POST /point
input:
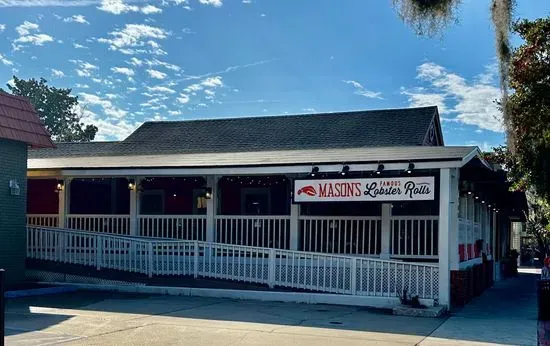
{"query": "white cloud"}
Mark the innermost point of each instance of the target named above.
(85, 69)
(123, 70)
(215, 3)
(108, 129)
(161, 89)
(2, 27)
(82, 86)
(134, 38)
(156, 62)
(117, 7)
(150, 9)
(362, 91)
(79, 46)
(135, 61)
(183, 98)
(108, 108)
(78, 18)
(247, 1)
(420, 98)
(212, 82)
(474, 102)
(57, 73)
(5, 61)
(29, 33)
(26, 28)
(156, 74)
(174, 113)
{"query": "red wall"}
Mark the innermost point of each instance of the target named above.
(42, 197)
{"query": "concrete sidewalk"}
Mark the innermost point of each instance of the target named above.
(506, 314)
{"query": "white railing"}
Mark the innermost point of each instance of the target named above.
(260, 231)
(47, 220)
(184, 227)
(113, 224)
(359, 235)
(349, 275)
(414, 236)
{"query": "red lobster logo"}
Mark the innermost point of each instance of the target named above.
(308, 190)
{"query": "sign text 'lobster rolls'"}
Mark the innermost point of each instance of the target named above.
(365, 189)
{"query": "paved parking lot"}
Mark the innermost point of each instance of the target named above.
(504, 315)
(88, 318)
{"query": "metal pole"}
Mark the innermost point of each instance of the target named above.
(2, 305)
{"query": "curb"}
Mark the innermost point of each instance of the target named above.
(39, 291)
(291, 297)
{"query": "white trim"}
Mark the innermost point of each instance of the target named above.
(474, 261)
(301, 169)
(289, 297)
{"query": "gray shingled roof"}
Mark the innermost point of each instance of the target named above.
(358, 129)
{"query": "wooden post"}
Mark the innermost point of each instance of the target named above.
(134, 211)
(448, 223)
(385, 231)
(2, 306)
(294, 227)
(64, 203)
(271, 268)
(211, 208)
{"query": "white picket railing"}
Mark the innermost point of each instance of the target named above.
(113, 224)
(260, 231)
(184, 227)
(47, 220)
(342, 274)
(359, 235)
(414, 237)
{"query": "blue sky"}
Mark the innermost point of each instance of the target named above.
(131, 61)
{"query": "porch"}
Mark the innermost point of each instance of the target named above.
(177, 208)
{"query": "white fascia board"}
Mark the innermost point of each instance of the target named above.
(473, 154)
(257, 170)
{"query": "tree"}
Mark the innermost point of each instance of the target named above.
(538, 225)
(428, 17)
(529, 104)
(56, 108)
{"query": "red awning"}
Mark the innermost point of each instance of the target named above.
(20, 122)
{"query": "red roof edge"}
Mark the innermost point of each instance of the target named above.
(20, 122)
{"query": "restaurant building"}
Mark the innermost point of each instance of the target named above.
(362, 204)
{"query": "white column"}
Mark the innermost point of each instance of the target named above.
(211, 208)
(64, 202)
(385, 231)
(294, 226)
(134, 212)
(448, 231)
(471, 220)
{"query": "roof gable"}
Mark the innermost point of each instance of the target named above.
(360, 129)
(20, 122)
(393, 127)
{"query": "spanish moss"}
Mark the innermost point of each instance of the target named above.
(427, 17)
(501, 14)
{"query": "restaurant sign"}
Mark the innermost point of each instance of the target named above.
(367, 189)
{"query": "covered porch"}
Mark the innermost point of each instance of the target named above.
(252, 213)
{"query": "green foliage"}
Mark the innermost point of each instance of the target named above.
(538, 226)
(56, 108)
(529, 106)
(427, 17)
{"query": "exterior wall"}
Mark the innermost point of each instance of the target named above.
(13, 158)
(42, 197)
